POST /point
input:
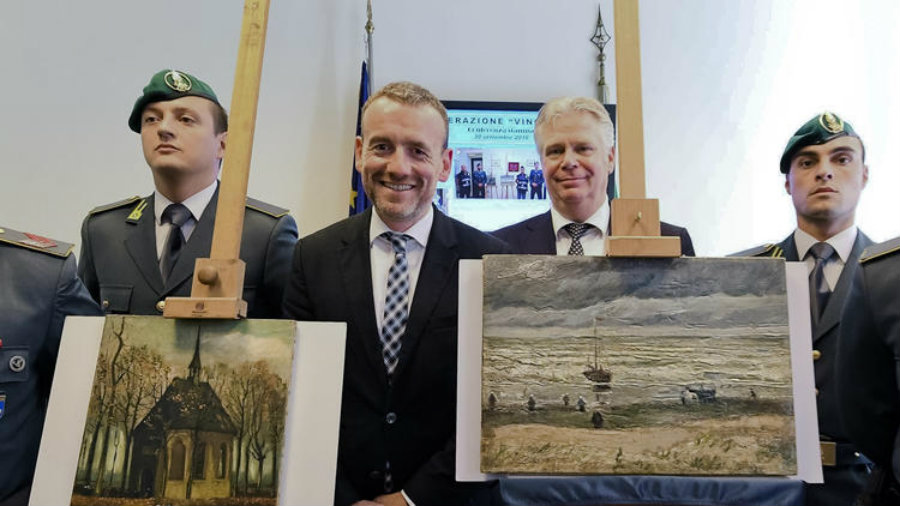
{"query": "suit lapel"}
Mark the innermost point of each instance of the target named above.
(355, 262)
(832, 314)
(438, 266)
(141, 246)
(543, 234)
(198, 246)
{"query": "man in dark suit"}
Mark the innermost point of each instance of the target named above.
(825, 171)
(575, 140)
(38, 290)
(139, 251)
(391, 273)
(868, 388)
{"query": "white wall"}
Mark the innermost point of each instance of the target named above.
(725, 85)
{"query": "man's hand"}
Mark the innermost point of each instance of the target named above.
(395, 499)
(366, 503)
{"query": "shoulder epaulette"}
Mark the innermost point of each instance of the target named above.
(114, 205)
(880, 250)
(273, 211)
(35, 242)
(765, 250)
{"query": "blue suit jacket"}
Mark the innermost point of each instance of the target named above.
(38, 290)
(535, 236)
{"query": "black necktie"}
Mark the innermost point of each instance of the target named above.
(177, 215)
(818, 286)
(576, 231)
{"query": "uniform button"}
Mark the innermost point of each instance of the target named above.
(817, 392)
(160, 306)
(105, 304)
(817, 354)
(17, 363)
(390, 418)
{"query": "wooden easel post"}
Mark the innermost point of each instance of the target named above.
(218, 285)
(635, 219)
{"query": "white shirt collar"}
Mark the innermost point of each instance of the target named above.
(196, 203)
(842, 242)
(599, 219)
(419, 231)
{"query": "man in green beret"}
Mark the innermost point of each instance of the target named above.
(138, 251)
(825, 172)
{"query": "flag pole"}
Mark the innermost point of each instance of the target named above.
(370, 59)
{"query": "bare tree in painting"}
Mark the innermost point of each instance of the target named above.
(116, 373)
(99, 398)
(145, 380)
(277, 418)
(236, 400)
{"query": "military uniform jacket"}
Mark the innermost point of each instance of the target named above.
(120, 268)
(867, 369)
(409, 421)
(825, 334)
(37, 290)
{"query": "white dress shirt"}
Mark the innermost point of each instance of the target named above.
(381, 255)
(842, 242)
(196, 204)
(593, 241)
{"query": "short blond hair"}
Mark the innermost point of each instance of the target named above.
(556, 107)
(407, 93)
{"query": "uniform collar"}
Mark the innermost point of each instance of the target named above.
(196, 203)
(842, 242)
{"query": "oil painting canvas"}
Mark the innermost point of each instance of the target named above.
(594, 365)
(186, 412)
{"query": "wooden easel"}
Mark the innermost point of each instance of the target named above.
(635, 219)
(218, 285)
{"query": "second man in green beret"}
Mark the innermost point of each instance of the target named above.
(825, 172)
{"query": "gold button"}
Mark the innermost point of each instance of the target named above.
(817, 354)
(817, 392)
(160, 306)
(105, 304)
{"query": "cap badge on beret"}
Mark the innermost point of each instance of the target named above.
(831, 123)
(178, 81)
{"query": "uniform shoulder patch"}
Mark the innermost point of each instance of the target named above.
(35, 242)
(765, 250)
(114, 205)
(273, 211)
(880, 250)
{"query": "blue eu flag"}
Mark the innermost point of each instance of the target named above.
(358, 199)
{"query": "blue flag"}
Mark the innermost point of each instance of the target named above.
(358, 199)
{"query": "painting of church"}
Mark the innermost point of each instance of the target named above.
(184, 446)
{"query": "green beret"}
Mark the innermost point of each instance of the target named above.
(168, 85)
(821, 129)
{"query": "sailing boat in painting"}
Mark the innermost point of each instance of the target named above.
(595, 372)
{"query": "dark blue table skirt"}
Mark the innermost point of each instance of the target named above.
(656, 490)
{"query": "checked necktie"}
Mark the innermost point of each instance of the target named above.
(177, 215)
(576, 231)
(396, 303)
(818, 286)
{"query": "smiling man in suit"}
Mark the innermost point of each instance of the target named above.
(138, 251)
(825, 172)
(575, 140)
(391, 273)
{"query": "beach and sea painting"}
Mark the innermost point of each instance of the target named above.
(596, 365)
(186, 412)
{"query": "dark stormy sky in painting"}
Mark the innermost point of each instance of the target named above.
(681, 294)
